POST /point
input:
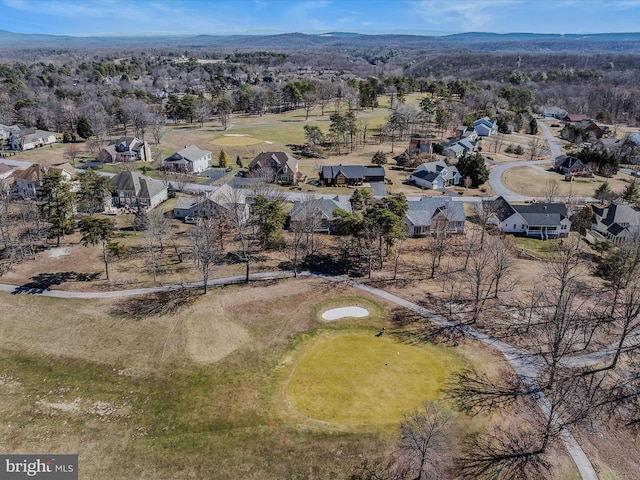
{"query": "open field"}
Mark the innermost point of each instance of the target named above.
(535, 182)
(135, 397)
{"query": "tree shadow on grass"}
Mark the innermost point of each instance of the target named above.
(156, 304)
(44, 281)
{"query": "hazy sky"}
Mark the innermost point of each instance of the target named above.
(95, 17)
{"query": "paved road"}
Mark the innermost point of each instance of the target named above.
(496, 173)
(527, 366)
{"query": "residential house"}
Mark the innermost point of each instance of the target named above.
(617, 223)
(317, 215)
(431, 215)
(571, 166)
(134, 190)
(453, 150)
(627, 149)
(458, 148)
(6, 131)
(126, 149)
(537, 220)
(342, 175)
(469, 133)
(283, 165)
(418, 146)
(554, 112)
(584, 130)
(215, 203)
(575, 118)
(30, 139)
(6, 177)
(66, 169)
(27, 181)
(190, 159)
(435, 175)
(486, 126)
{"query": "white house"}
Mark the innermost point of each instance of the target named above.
(435, 175)
(189, 159)
(537, 220)
(30, 139)
(486, 126)
(434, 214)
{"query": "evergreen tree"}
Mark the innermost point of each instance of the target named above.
(533, 126)
(357, 200)
(474, 167)
(171, 191)
(141, 220)
(223, 159)
(379, 158)
(94, 189)
(604, 193)
(239, 162)
(56, 202)
(99, 230)
(631, 193)
(84, 129)
(270, 219)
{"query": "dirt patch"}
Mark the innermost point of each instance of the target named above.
(58, 252)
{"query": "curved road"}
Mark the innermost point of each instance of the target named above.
(495, 175)
(527, 366)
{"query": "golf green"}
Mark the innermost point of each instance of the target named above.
(363, 379)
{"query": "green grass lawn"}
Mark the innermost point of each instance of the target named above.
(359, 378)
(537, 248)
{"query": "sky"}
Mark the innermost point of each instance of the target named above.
(222, 17)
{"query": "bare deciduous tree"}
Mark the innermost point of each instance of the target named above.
(422, 434)
(206, 248)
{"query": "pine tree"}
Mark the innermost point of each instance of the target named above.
(223, 159)
(239, 162)
(379, 158)
(357, 200)
(84, 129)
(474, 167)
(631, 193)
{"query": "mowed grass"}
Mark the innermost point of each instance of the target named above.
(533, 182)
(362, 379)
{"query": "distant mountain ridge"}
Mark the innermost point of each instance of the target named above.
(614, 42)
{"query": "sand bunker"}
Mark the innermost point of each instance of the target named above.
(337, 313)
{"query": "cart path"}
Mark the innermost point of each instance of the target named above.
(527, 366)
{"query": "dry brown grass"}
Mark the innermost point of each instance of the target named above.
(534, 182)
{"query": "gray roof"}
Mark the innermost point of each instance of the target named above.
(186, 203)
(542, 214)
(620, 214)
(144, 187)
(422, 211)
(426, 175)
(500, 208)
(324, 206)
(352, 171)
(191, 153)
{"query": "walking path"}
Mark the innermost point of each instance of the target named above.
(527, 366)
